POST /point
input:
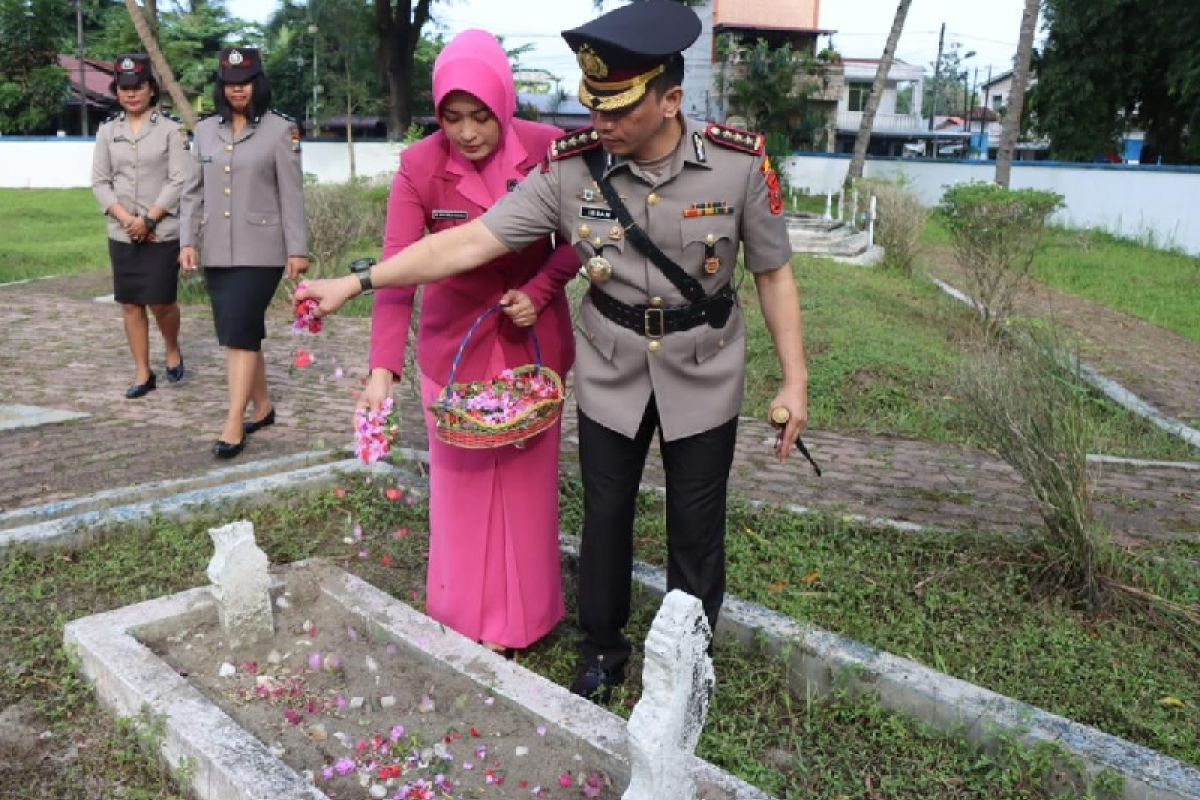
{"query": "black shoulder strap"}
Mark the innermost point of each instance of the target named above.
(686, 284)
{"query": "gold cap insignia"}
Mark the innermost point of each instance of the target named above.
(590, 62)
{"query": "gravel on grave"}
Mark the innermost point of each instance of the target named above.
(368, 718)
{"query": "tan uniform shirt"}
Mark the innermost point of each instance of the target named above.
(243, 201)
(140, 170)
(696, 375)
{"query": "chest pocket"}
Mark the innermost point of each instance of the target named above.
(595, 236)
(262, 220)
(705, 237)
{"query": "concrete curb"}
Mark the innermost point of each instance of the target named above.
(819, 661)
(1108, 387)
(18, 416)
(227, 763)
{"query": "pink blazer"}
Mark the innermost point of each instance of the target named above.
(424, 197)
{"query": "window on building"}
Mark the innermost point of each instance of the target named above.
(997, 103)
(859, 92)
(904, 97)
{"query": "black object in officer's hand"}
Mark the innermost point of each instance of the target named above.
(779, 418)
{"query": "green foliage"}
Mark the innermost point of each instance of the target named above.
(950, 87)
(33, 87)
(339, 217)
(50, 232)
(770, 89)
(1109, 66)
(997, 233)
(901, 221)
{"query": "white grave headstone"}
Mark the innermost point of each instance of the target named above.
(677, 685)
(240, 585)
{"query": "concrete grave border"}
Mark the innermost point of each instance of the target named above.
(819, 659)
(226, 763)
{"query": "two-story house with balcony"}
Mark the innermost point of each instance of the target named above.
(898, 120)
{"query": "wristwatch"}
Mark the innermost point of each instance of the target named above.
(364, 281)
(150, 222)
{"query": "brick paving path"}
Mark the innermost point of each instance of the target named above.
(62, 350)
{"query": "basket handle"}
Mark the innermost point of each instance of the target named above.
(537, 347)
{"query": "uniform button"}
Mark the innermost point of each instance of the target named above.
(584, 231)
(710, 239)
(228, 191)
(656, 301)
(652, 199)
(226, 215)
(597, 241)
(228, 169)
(721, 343)
(654, 346)
(228, 148)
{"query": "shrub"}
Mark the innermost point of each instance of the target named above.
(1027, 405)
(996, 232)
(339, 217)
(900, 220)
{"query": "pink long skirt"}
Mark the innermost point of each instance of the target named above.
(494, 573)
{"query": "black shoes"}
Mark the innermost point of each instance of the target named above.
(226, 450)
(142, 389)
(175, 373)
(250, 427)
(596, 683)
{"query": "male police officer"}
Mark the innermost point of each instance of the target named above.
(657, 206)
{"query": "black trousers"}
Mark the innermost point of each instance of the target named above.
(697, 474)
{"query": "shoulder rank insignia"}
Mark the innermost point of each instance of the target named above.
(737, 139)
(279, 113)
(574, 143)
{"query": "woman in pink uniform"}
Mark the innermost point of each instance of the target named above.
(493, 553)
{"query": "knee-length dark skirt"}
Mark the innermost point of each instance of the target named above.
(240, 296)
(145, 274)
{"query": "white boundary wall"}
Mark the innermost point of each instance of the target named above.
(1153, 204)
(64, 163)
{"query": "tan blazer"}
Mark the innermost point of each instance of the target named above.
(140, 170)
(243, 201)
(696, 375)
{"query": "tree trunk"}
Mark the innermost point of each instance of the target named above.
(150, 42)
(350, 122)
(399, 33)
(868, 117)
(152, 15)
(1011, 129)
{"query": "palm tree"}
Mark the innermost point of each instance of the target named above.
(868, 115)
(1016, 99)
(165, 74)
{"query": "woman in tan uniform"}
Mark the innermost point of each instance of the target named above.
(243, 209)
(137, 175)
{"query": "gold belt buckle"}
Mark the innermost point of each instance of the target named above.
(662, 323)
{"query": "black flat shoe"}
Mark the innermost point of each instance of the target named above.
(175, 373)
(250, 427)
(142, 389)
(596, 683)
(226, 450)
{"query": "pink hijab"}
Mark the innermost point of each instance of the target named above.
(474, 62)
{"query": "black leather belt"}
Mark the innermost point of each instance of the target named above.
(655, 323)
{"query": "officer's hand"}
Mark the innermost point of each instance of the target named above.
(188, 261)
(296, 266)
(796, 403)
(519, 308)
(379, 388)
(330, 293)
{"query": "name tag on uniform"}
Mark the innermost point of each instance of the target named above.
(206, 159)
(596, 212)
(445, 213)
(119, 138)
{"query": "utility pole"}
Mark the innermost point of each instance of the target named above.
(83, 112)
(984, 139)
(937, 73)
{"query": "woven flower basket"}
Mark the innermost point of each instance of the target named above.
(513, 406)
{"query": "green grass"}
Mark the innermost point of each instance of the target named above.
(973, 606)
(838, 747)
(50, 232)
(1158, 286)
(884, 352)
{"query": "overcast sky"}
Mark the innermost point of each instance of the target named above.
(989, 28)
